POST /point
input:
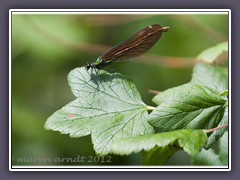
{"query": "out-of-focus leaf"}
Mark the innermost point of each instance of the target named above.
(206, 157)
(209, 157)
(210, 77)
(223, 146)
(212, 53)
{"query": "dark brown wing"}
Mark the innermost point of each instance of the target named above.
(136, 45)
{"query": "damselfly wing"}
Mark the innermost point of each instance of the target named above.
(135, 46)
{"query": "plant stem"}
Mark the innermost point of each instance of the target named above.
(153, 91)
(216, 128)
(150, 108)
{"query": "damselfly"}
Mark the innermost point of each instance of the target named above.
(137, 45)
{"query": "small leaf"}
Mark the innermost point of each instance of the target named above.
(209, 157)
(217, 134)
(108, 106)
(187, 107)
(190, 140)
(212, 53)
(206, 157)
(211, 77)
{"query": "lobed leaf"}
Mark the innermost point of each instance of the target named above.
(108, 106)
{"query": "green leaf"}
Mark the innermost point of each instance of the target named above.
(212, 53)
(213, 78)
(217, 134)
(158, 155)
(206, 157)
(209, 157)
(159, 98)
(187, 107)
(223, 70)
(224, 93)
(223, 146)
(191, 141)
(199, 104)
(108, 106)
(216, 79)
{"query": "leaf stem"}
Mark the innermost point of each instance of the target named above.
(150, 108)
(153, 91)
(216, 128)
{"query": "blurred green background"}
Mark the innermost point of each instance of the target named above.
(45, 48)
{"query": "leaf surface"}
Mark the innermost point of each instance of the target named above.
(191, 141)
(199, 104)
(107, 106)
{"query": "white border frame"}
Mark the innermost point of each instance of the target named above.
(118, 11)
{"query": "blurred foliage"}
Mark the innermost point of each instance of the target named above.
(45, 48)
